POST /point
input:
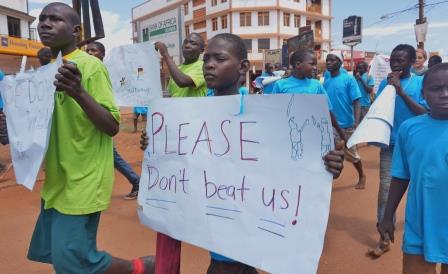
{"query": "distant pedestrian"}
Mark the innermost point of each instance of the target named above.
(4, 140)
(44, 56)
(434, 60)
(98, 50)
(139, 111)
(419, 67)
(365, 84)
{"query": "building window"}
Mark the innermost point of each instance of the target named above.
(248, 43)
(214, 3)
(318, 29)
(224, 22)
(145, 34)
(215, 24)
(286, 19)
(263, 43)
(297, 1)
(187, 30)
(223, 1)
(186, 8)
(13, 26)
(263, 18)
(245, 19)
(297, 21)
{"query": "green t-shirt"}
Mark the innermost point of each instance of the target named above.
(194, 70)
(79, 162)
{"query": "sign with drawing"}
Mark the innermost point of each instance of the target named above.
(252, 187)
(29, 104)
(136, 79)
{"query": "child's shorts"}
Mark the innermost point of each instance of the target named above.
(68, 242)
(350, 154)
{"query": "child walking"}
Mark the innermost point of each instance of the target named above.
(420, 165)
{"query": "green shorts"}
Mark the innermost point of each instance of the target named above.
(68, 242)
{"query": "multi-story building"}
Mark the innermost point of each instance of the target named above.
(263, 24)
(16, 37)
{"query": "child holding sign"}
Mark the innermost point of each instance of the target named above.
(79, 160)
(225, 64)
(422, 166)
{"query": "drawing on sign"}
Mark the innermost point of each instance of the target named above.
(136, 81)
(296, 138)
(326, 136)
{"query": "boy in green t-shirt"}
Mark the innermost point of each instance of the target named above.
(79, 160)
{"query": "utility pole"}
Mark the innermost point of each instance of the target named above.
(421, 19)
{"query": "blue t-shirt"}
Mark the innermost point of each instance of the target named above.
(327, 74)
(412, 86)
(365, 96)
(343, 91)
(295, 85)
(140, 110)
(421, 156)
(268, 88)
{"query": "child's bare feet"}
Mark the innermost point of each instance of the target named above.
(361, 183)
(382, 247)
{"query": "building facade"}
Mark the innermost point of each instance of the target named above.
(16, 37)
(263, 24)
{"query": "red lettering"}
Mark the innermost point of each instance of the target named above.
(180, 139)
(243, 158)
(207, 138)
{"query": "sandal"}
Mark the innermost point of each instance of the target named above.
(131, 195)
(143, 265)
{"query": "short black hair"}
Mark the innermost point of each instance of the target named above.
(239, 47)
(436, 59)
(434, 69)
(299, 55)
(408, 48)
(267, 66)
(201, 40)
(99, 45)
(73, 15)
(42, 51)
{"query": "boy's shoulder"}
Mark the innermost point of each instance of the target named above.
(414, 122)
(88, 64)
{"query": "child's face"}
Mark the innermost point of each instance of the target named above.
(222, 68)
(420, 61)
(56, 28)
(307, 66)
(333, 63)
(361, 68)
(93, 49)
(436, 92)
(400, 61)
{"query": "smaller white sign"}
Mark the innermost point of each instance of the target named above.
(134, 71)
(379, 69)
(29, 104)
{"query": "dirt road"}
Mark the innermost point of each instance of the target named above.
(350, 232)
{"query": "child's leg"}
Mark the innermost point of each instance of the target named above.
(217, 267)
(135, 121)
(444, 269)
(167, 255)
(416, 264)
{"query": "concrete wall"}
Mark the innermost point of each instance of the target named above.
(20, 5)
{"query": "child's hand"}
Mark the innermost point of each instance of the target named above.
(68, 79)
(161, 48)
(143, 140)
(386, 230)
(334, 160)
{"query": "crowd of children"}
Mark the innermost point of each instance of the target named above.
(80, 176)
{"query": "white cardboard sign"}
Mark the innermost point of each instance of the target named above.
(252, 187)
(29, 104)
(376, 127)
(134, 71)
(379, 69)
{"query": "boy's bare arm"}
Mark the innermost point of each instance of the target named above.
(69, 80)
(181, 79)
(357, 110)
(397, 189)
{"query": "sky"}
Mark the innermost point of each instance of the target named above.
(378, 35)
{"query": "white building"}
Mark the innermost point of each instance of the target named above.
(16, 37)
(263, 24)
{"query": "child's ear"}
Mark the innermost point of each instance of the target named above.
(77, 31)
(244, 66)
